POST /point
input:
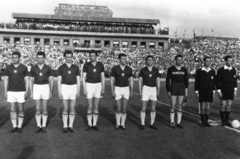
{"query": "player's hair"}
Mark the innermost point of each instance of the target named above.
(177, 56)
(206, 57)
(149, 56)
(121, 55)
(93, 52)
(16, 53)
(227, 57)
(67, 52)
(40, 53)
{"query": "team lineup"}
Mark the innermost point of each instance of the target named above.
(19, 83)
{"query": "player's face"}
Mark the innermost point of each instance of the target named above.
(150, 61)
(229, 62)
(15, 59)
(68, 58)
(179, 61)
(40, 59)
(92, 57)
(123, 60)
(207, 62)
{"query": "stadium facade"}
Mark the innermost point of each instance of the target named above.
(84, 27)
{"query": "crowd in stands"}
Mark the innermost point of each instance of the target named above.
(85, 27)
(193, 51)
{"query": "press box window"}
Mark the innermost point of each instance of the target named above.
(66, 42)
(75, 42)
(143, 44)
(125, 44)
(134, 44)
(6, 40)
(106, 43)
(16, 40)
(151, 45)
(37, 41)
(26, 41)
(46, 41)
(56, 41)
(116, 44)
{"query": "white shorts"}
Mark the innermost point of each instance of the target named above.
(16, 97)
(69, 92)
(94, 90)
(149, 93)
(122, 92)
(41, 91)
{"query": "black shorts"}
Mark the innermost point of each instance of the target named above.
(206, 96)
(177, 89)
(227, 91)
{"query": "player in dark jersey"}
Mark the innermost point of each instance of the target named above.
(41, 88)
(94, 87)
(149, 89)
(205, 83)
(227, 89)
(177, 88)
(122, 89)
(68, 90)
(16, 90)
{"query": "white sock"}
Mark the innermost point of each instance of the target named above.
(172, 114)
(179, 115)
(89, 118)
(20, 121)
(118, 118)
(124, 116)
(153, 116)
(142, 116)
(95, 118)
(65, 120)
(38, 120)
(44, 120)
(14, 123)
(71, 120)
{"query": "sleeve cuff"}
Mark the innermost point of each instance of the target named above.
(218, 90)
(235, 89)
(196, 91)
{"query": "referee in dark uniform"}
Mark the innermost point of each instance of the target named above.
(205, 83)
(227, 89)
(177, 88)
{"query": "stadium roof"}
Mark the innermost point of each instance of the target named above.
(78, 18)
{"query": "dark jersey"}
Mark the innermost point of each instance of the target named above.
(93, 72)
(16, 75)
(121, 76)
(226, 76)
(41, 76)
(205, 80)
(176, 76)
(68, 74)
(149, 77)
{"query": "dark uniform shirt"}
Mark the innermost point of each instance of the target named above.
(16, 75)
(176, 76)
(68, 74)
(121, 76)
(205, 80)
(93, 72)
(226, 76)
(41, 76)
(149, 77)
